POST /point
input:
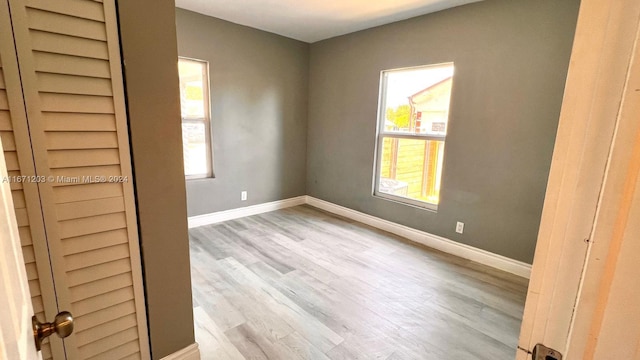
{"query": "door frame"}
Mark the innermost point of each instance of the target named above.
(581, 168)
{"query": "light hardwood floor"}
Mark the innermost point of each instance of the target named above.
(300, 283)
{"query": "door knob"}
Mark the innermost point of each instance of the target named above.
(61, 325)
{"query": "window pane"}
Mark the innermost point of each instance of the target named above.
(194, 143)
(194, 104)
(411, 168)
(416, 101)
(192, 90)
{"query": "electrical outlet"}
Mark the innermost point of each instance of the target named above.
(243, 196)
(459, 227)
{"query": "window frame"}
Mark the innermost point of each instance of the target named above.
(381, 134)
(210, 174)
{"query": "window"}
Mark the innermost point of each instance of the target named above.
(194, 105)
(412, 126)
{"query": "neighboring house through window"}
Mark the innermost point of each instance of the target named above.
(196, 127)
(412, 127)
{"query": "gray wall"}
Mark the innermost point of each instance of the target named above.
(148, 40)
(511, 59)
(259, 92)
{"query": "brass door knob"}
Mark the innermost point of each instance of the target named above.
(61, 325)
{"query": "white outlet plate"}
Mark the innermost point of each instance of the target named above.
(459, 227)
(243, 196)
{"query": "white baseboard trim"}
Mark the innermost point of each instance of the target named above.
(191, 352)
(216, 217)
(430, 240)
(433, 241)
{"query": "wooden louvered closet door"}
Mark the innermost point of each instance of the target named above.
(74, 129)
(26, 199)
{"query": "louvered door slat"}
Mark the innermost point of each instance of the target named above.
(93, 305)
(73, 122)
(83, 244)
(73, 84)
(95, 257)
(67, 194)
(98, 272)
(25, 236)
(22, 217)
(68, 45)
(86, 172)
(71, 65)
(38, 306)
(80, 209)
(134, 356)
(79, 8)
(18, 199)
(28, 254)
(34, 287)
(92, 225)
(32, 272)
(70, 71)
(103, 345)
(107, 329)
(8, 143)
(12, 160)
(104, 315)
(65, 24)
(100, 287)
(73, 103)
(13, 174)
(15, 185)
(5, 121)
(4, 102)
(118, 352)
(85, 157)
(77, 140)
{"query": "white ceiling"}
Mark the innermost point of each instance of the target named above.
(314, 20)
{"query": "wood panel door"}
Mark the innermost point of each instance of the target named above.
(74, 122)
(583, 299)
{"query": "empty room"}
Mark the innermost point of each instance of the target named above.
(364, 190)
(319, 180)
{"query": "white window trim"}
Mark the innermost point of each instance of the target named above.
(381, 135)
(206, 121)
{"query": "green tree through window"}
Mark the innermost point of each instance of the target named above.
(400, 116)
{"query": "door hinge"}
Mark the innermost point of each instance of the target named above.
(541, 352)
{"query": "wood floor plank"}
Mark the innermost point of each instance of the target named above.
(315, 331)
(372, 324)
(301, 283)
(252, 343)
(301, 347)
(213, 343)
(221, 249)
(251, 305)
(217, 307)
(367, 334)
(264, 250)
